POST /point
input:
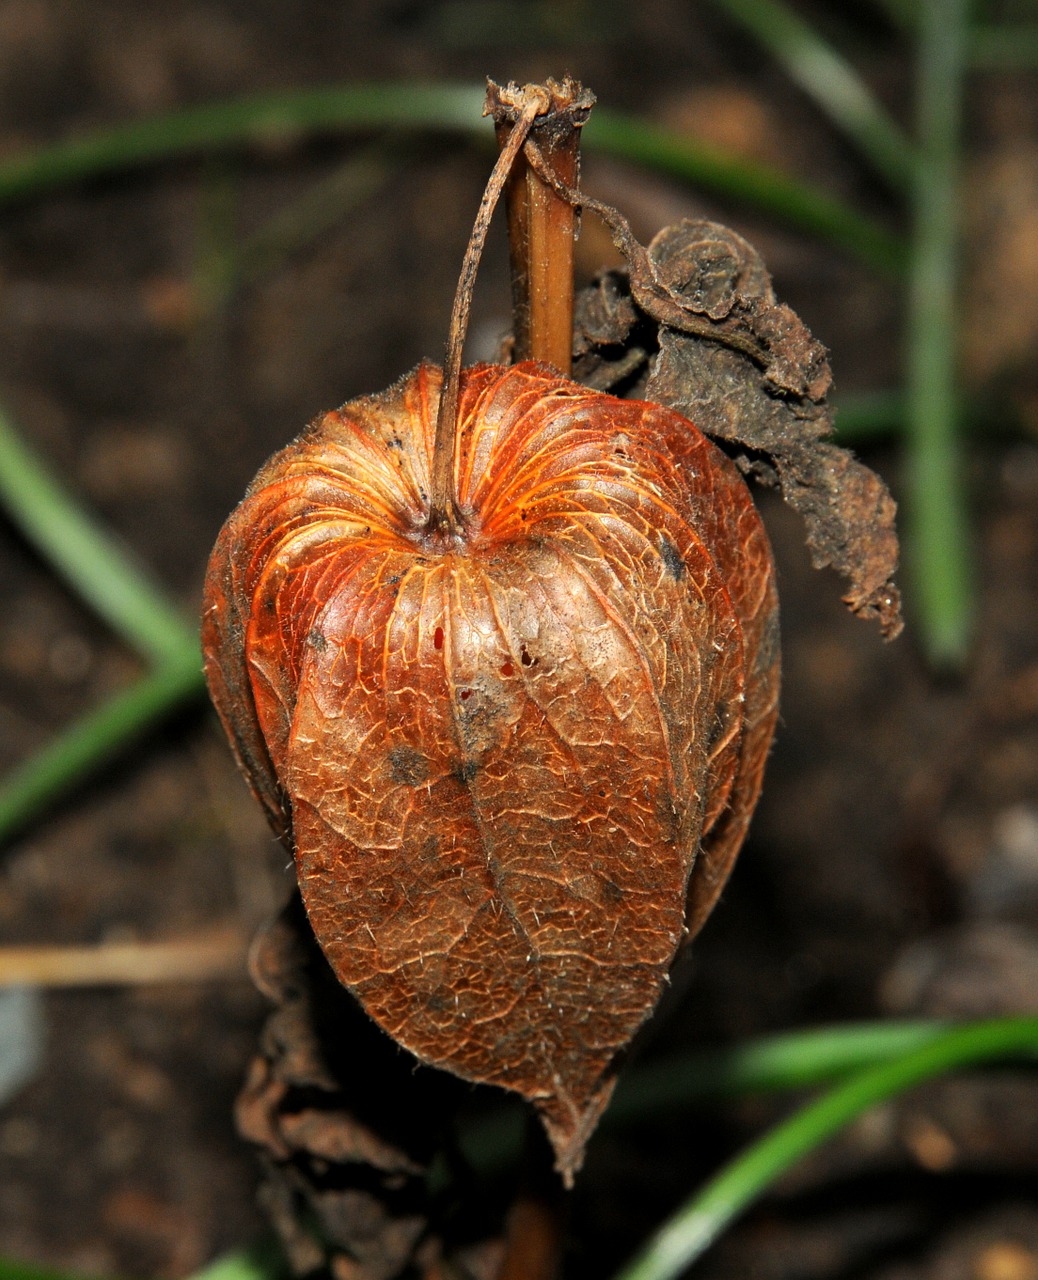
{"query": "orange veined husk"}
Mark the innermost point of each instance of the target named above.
(515, 768)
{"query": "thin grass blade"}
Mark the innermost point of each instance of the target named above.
(88, 743)
(770, 1064)
(701, 1220)
(938, 547)
(444, 107)
(831, 82)
(796, 203)
(95, 565)
(1005, 47)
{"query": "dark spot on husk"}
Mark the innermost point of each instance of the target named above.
(467, 771)
(612, 892)
(671, 557)
(408, 765)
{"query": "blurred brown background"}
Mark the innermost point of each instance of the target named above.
(893, 866)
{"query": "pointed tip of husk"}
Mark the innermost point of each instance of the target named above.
(569, 1126)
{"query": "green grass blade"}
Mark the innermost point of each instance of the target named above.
(259, 1262)
(89, 559)
(936, 520)
(262, 1261)
(866, 416)
(873, 417)
(1009, 46)
(83, 747)
(10, 1269)
(830, 81)
(796, 203)
(320, 209)
(698, 1223)
(450, 107)
(245, 120)
(797, 1060)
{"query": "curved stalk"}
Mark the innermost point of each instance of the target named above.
(444, 515)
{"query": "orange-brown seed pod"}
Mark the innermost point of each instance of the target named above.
(515, 758)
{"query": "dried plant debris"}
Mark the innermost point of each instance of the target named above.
(345, 1124)
(532, 969)
(612, 338)
(745, 369)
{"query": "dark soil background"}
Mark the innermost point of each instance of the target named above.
(893, 865)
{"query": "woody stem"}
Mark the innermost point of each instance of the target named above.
(542, 224)
(534, 1229)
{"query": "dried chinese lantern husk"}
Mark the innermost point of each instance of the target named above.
(515, 766)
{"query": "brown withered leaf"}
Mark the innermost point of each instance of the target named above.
(744, 368)
(758, 380)
(515, 763)
(612, 338)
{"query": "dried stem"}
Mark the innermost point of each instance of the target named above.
(653, 296)
(534, 1230)
(532, 1242)
(541, 223)
(444, 515)
(215, 955)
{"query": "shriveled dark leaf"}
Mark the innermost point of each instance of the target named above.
(758, 380)
(611, 337)
(745, 369)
